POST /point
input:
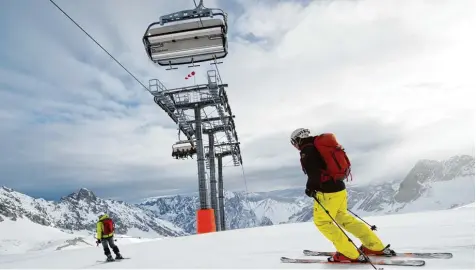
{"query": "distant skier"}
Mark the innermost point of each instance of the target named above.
(325, 163)
(105, 235)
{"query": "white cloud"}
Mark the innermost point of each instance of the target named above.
(369, 56)
(392, 76)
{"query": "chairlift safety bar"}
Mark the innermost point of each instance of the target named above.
(189, 14)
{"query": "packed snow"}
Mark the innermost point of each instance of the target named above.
(440, 231)
(24, 236)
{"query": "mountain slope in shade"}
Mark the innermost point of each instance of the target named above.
(427, 172)
(79, 212)
(438, 195)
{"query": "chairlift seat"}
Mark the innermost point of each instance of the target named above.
(182, 145)
(186, 43)
(183, 149)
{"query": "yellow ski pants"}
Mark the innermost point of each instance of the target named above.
(336, 204)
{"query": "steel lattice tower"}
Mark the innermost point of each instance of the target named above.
(176, 103)
(189, 37)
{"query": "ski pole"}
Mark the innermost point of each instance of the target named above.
(348, 238)
(372, 227)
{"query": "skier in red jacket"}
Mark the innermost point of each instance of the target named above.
(326, 165)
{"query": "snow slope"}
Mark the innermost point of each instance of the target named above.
(444, 231)
(23, 235)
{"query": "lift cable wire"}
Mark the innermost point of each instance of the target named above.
(97, 43)
(197, 6)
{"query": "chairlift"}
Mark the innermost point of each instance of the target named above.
(187, 37)
(183, 149)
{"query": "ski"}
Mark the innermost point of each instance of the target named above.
(115, 260)
(423, 255)
(377, 261)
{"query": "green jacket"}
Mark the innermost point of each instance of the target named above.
(100, 228)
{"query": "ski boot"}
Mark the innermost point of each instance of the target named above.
(387, 252)
(119, 256)
(109, 258)
(339, 257)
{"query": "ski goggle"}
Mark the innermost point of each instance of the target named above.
(294, 142)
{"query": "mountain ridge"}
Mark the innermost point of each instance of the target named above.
(424, 187)
(79, 210)
(371, 199)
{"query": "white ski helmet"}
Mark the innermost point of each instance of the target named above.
(299, 134)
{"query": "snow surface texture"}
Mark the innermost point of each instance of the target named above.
(23, 235)
(440, 231)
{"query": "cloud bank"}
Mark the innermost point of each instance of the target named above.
(393, 80)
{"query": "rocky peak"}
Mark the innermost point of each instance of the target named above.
(83, 194)
(7, 189)
(427, 171)
(458, 166)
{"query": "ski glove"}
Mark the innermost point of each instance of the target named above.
(98, 242)
(309, 192)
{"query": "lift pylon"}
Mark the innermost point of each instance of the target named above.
(183, 38)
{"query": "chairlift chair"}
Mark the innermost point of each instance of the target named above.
(182, 149)
(186, 41)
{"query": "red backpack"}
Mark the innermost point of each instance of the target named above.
(337, 162)
(108, 226)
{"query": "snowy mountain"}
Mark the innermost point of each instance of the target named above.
(180, 210)
(78, 212)
(430, 185)
(427, 172)
(433, 185)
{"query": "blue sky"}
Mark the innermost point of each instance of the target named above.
(391, 80)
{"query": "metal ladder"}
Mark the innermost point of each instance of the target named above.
(213, 86)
